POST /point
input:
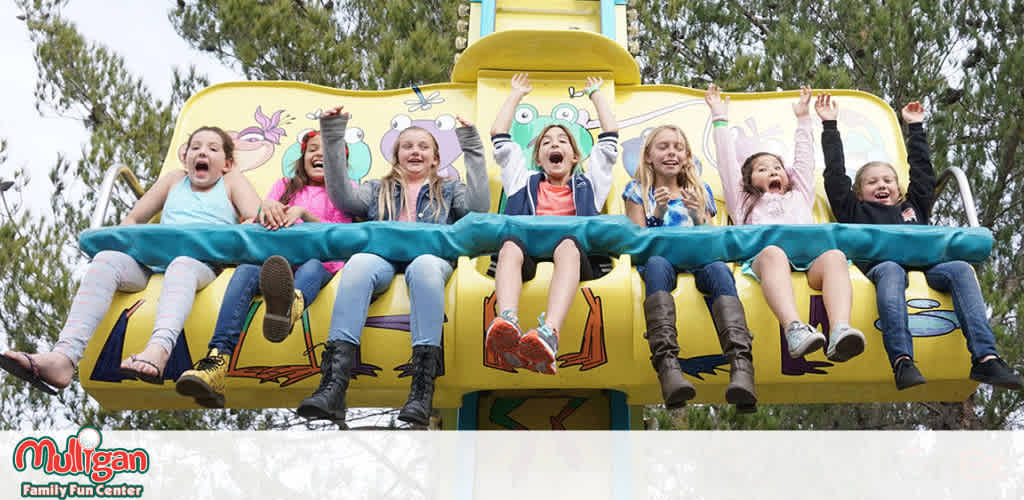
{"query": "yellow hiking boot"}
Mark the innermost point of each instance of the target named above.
(205, 381)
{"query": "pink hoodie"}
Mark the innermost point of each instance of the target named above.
(792, 207)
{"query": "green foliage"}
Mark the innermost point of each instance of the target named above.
(356, 44)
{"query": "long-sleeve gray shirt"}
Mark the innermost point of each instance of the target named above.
(361, 201)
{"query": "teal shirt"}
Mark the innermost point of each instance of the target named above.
(185, 206)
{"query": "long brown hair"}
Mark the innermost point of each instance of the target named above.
(386, 209)
(300, 178)
(858, 179)
(686, 178)
(751, 195)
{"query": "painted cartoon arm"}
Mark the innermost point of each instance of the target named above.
(725, 154)
(837, 185)
(153, 200)
(520, 87)
(474, 196)
(921, 191)
(242, 195)
(355, 201)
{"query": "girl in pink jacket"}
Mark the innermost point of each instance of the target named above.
(762, 190)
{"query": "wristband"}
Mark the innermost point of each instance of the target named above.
(720, 123)
(591, 90)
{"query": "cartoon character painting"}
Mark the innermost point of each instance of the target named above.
(255, 145)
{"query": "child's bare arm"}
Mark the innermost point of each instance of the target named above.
(242, 194)
(605, 115)
(153, 199)
(520, 87)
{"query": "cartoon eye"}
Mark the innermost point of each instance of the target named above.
(445, 122)
(355, 135)
(251, 137)
(525, 114)
(565, 112)
(401, 122)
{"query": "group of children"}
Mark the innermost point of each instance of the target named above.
(666, 191)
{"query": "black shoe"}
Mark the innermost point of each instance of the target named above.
(907, 375)
(995, 372)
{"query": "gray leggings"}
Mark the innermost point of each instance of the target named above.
(112, 271)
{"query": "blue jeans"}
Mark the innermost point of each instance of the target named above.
(244, 285)
(956, 278)
(366, 275)
(713, 280)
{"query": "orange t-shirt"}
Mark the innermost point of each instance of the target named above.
(554, 200)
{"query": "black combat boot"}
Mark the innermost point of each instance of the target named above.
(328, 401)
(426, 363)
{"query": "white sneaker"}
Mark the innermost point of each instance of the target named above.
(844, 343)
(803, 338)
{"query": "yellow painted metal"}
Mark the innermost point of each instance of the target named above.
(601, 342)
(536, 50)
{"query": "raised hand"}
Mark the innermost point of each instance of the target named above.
(826, 108)
(714, 99)
(594, 84)
(913, 112)
(463, 122)
(802, 106)
(521, 83)
(335, 111)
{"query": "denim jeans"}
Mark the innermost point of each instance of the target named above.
(366, 275)
(244, 285)
(956, 278)
(713, 279)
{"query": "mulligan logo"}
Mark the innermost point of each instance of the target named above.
(83, 456)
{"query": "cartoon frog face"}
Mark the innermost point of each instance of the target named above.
(528, 125)
(359, 158)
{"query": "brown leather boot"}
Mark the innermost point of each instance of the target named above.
(660, 311)
(731, 323)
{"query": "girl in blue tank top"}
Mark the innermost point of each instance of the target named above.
(207, 191)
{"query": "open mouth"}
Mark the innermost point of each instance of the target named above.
(556, 157)
(202, 166)
(882, 195)
(775, 186)
(318, 164)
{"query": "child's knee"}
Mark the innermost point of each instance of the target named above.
(182, 263)
(567, 249)
(511, 253)
(773, 256)
(834, 258)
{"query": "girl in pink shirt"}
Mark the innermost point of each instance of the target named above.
(302, 198)
(762, 190)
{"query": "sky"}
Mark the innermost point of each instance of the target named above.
(138, 31)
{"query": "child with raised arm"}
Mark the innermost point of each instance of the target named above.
(301, 198)
(413, 192)
(667, 191)
(207, 191)
(762, 190)
(875, 197)
(556, 190)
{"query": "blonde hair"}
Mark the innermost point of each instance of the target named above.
(386, 209)
(858, 179)
(572, 142)
(686, 178)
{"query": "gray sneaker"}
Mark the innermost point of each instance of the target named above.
(844, 343)
(803, 338)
